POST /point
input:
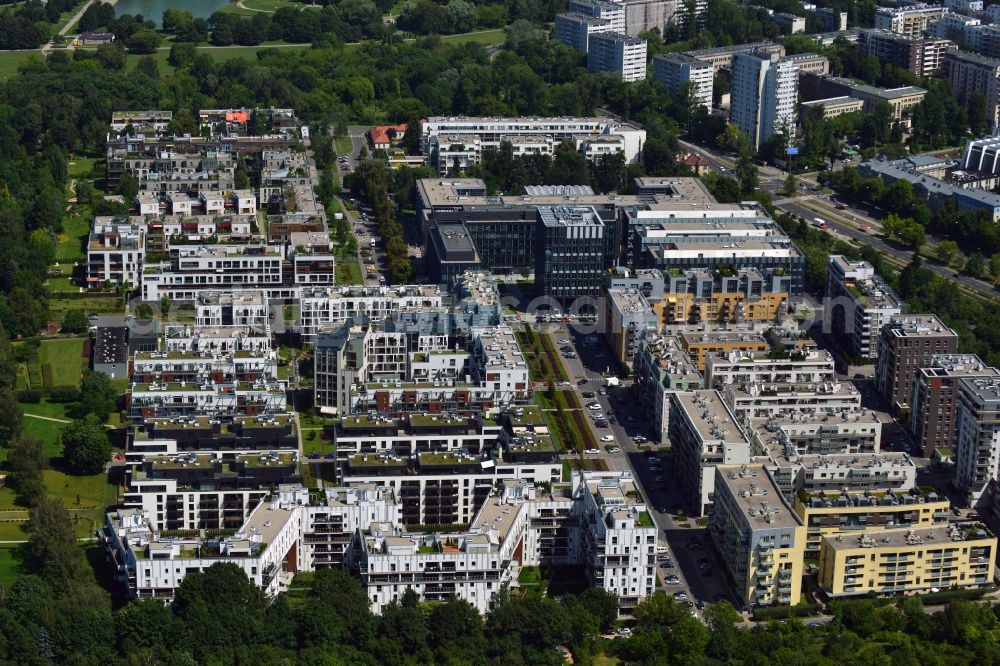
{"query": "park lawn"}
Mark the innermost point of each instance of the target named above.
(349, 272)
(314, 444)
(58, 307)
(10, 60)
(344, 145)
(261, 6)
(65, 358)
(11, 564)
(47, 432)
(82, 167)
(12, 531)
(95, 493)
(484, 37)
(53, 410)
(62, 285)
(73, 238)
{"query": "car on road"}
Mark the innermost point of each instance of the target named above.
(600, 423)
(673, 580)
(668, 565)
(563, 341)
(582, 382)
(607, 438)
(602, 391)
(613, 449)
(594, 406)
(613, 420)
(680, 596)
(569, 355)
(813, 625)
(592, 452)
(563, 383)
(638, 439)
(588, 394)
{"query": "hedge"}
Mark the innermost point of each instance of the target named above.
(782, 612)
(64, 394)
(953, 594)
(30, 395)
(47, 375)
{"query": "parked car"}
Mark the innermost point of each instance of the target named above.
(607, 438)
(594, 406)
(592, 452)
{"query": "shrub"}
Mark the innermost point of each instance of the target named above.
(782, 612)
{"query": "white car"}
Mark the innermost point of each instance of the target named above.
(594, 406)
(607, 438)
(592, 452)
(613, 449)
(564, 341)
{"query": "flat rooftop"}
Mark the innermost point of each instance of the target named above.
(498, 515)
(711, 417)
(958, 365)
(943, 536)
(756, 495)
(919, 326)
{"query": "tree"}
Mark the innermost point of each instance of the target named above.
(147, 65)
(946, 251)
(86, 447)
(412, 137)
(995, 266)
(144, 42)
(26, 460)
(10, 415)
(791, 184)
(165, 306)
(75, 321)
(98, 395)
(975, 265)
(52, 545)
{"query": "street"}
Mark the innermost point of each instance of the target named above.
(690, 557)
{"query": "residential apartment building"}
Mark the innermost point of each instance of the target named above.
(116, 251)
(662, 367)
(490, 132)
(680, 71)
(330, 307)
(812, 63)
(982, 155)
(905, 345)
(922, 56)
(619, 54)
(627, 318)
(919, 560)
(972, 74)
(722, 57)
(595, 523)
(764, 96)
(977, 440)
(911, 21)
(755, 401)
(934, 400)
(758, 537)
(359, 368)
(574, 30)
(858, 304)
(809, 366)
(612, 12)
(704, 434)
(701, 345)
(850, 513)
(790, 22)
(570, 257)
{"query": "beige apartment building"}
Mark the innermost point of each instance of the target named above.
(907, 561)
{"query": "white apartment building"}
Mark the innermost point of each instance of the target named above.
(910, 21)
(754, 401)
(983, 155)
(215, 339)
(676, 69)
(704, 434)
(597, 522)
(661, 368)
(764, 96)
(964, 6)
(858, 304)
(196, 268)
(116, 251)
(329, 307)
(492, 131)
(617, 53)
(195, 227)
(359, 369)
(977, 442)
(612, 12)
(810, 366)
(574, 30)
